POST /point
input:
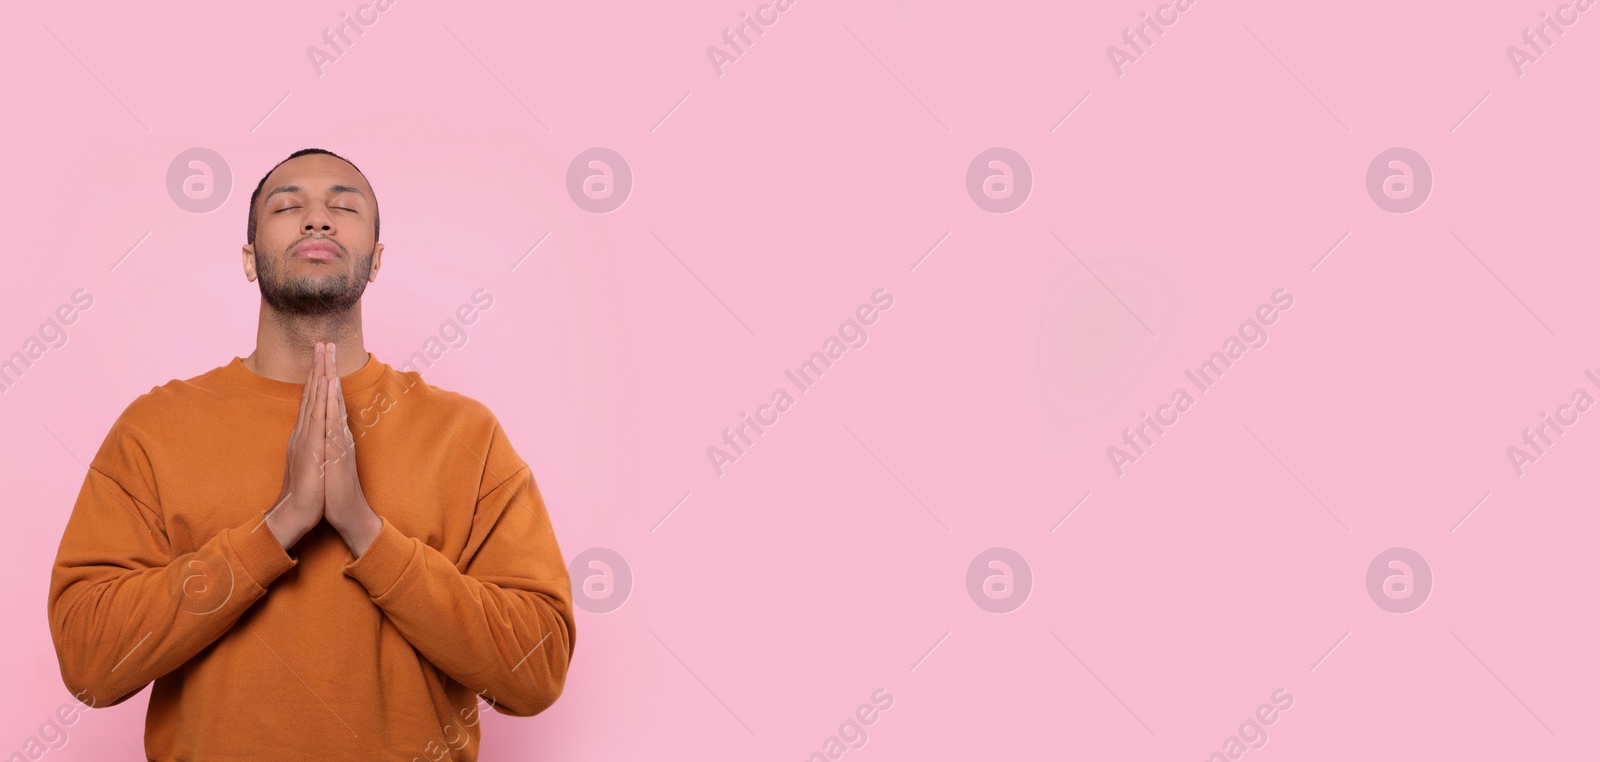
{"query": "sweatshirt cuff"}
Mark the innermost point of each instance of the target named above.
(380, 567)
(258, 551)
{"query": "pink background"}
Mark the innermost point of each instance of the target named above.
(824, 164)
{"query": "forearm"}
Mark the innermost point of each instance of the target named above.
(512, 645)
(117, 629)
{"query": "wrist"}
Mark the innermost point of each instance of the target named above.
(287, 536)
(364, 530)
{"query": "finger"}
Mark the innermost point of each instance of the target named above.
(344, 421)
(319, 427)
(347, 441)
(329, 412)
(336, 423)
(330, 445)
(310, 391)
(306, 393)
(330, 369)
(335, 432)
(344, 417)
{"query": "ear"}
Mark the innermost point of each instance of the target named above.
(249, 262)
(377, 261)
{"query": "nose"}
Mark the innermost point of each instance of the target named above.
(317, 219)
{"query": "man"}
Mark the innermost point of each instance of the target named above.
(425, 580)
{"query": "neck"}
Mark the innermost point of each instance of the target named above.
(284, 343)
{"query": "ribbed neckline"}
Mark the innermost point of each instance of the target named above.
(236, 374)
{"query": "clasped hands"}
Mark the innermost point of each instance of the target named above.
(319, 475)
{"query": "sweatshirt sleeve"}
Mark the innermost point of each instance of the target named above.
(124, 609)
(498, 621)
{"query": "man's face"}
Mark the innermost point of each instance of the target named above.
(314, 251)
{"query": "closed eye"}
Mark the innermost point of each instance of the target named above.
(287, 208)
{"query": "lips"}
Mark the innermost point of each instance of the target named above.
(320, 249)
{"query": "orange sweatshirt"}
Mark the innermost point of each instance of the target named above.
(167, 572)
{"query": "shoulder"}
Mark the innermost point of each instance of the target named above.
(166, 404)
(466, 418)
(461, 412)
(164, 413)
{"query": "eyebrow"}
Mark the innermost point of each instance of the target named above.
(332, 189)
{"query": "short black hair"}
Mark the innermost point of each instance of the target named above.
(250, 230)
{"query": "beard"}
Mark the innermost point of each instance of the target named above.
(321, 294)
